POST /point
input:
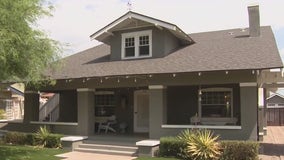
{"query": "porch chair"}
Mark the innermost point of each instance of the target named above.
(108, 124)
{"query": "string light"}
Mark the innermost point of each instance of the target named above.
(101, 80)
(150, 75)
(174, 75)
(118, 80)
(199, 73)
(227, 72)
(135, 80)
(252, 71)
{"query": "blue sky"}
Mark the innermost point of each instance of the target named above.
(74, 20)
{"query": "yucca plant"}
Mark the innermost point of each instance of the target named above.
(184, 137)
(42, 135)
(203, 145)
(185, 134)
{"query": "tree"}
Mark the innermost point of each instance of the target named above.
(25, 51)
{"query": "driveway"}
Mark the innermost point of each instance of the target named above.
(272, 147)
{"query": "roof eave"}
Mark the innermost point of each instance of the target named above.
(105, 31)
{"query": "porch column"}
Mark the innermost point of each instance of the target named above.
(157, 110)
(249, 110)
(260, 113)
(265, 110)
(86, 113)
(31, 106)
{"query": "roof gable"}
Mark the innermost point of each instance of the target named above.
(135, 20)
(276, 95)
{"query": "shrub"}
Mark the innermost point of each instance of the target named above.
(202, 144)
(31, 139)
(50, 141)
(15, 138)
(53, 141)
(46, 139)
(239, 150)
(171, 147)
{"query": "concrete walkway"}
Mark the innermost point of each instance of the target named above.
(92, 156)
(272, 147)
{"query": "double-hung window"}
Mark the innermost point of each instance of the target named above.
(216, 102)
(136, 45)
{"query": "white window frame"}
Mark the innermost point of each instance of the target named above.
(136, 36)
(214, 90)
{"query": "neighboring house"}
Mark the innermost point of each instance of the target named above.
(156, 79)
(275, 110)
(12, 101)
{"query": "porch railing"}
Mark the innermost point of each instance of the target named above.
(50, 110)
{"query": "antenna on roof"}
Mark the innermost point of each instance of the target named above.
(129, 5)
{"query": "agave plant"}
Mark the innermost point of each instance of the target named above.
(42, 135)
(203, 145)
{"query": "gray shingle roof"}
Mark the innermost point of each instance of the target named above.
(213, 51)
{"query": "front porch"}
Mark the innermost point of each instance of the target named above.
(223, 102)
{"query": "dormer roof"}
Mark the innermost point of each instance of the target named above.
(132, 20)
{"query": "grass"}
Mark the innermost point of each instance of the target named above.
(11, 152)
(155, 158)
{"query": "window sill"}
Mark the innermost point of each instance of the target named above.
(132, 58)
(200, 126)
(55, 123)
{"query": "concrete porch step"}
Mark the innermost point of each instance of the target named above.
(108, 147)
(104, 151)
(111, 142)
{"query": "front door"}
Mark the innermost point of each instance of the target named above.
(141, 111)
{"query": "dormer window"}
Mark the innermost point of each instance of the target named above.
(136, 45)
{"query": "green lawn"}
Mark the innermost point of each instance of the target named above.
(10, 152)
(160, 158)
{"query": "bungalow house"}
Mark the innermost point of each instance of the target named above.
(152, 77)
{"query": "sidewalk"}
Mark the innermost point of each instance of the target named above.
(92, 156)
(273, 144)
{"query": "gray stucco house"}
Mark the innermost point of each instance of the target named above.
(156, 79)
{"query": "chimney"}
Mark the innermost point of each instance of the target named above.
(254, 22)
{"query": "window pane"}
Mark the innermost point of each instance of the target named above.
(216, 104)
(144, 51)
(129, 42)
(143, 40)
(130, 52)
(104, 105)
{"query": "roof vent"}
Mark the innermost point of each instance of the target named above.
(254, 20)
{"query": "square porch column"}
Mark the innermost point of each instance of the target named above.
(86, 111)
(249, 110)
(157, 110)
(31, 106)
